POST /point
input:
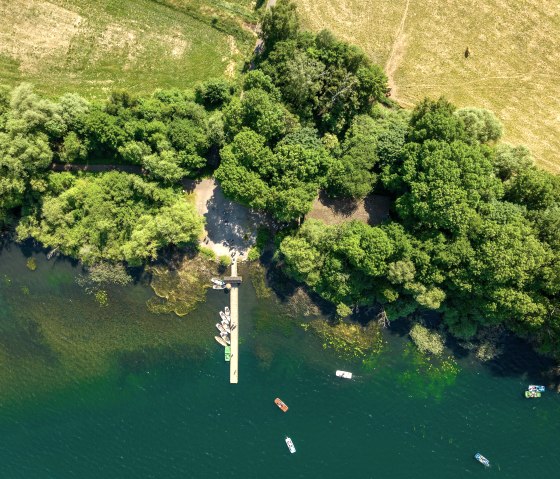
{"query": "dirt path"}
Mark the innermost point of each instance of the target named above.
(397, 52)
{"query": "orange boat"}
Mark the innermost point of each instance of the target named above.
(281, 404)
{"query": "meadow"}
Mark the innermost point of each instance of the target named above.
(94, 47)
(513, 66)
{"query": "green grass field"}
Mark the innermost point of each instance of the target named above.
(92, 47)
(513, 69)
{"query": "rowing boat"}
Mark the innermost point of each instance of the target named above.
(532, 394)
(480, 458)
(224, 317)
(220, 328)
(226, 327)
(220, 340)
(281, 404)
(227, 353)
(290, 445)
(344, 374)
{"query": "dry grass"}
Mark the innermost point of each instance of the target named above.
(514, 67)
(93, 47)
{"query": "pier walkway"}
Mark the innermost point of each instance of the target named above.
(234, 336)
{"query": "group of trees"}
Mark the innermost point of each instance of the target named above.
(112, 216)
(474, 232)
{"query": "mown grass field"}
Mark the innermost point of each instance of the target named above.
(92, 47)
(513, 69)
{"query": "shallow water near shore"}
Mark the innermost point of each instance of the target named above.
(88, 391)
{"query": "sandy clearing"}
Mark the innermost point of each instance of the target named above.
(231, 229)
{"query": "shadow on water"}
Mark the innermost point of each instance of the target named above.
(26, 341)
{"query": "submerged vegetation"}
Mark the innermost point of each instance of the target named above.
(179, 287)
(427, 376)
(349, 340)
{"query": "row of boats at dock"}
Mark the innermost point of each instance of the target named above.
(225, 327)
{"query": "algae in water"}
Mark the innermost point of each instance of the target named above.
(179, 288)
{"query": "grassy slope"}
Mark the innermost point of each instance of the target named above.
(514, 68)
(94, 46)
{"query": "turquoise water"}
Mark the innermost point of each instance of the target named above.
(129, 394)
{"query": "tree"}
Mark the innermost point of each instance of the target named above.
(281, 22)
(435, 120)
(480, 125)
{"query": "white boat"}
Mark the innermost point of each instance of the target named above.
(226, 310)
(215, 286)
(226, 327)
(218, 282)
(540, 389)
(480, 458)
(225, 337)
(290, 445)
(224, 317)
(220, 328)
(343, 374)
(220, 340)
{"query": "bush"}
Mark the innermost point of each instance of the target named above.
(207, 253)
(426, 340)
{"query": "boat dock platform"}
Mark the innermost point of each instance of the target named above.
(234, 281)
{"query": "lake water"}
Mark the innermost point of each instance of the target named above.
(117, 392)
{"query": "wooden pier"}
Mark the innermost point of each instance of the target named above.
(234, 281)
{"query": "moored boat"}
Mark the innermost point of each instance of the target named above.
(290, 445)
(218, 282)
(540, 389)
(220, 340)
(227, 353)
(225, 337)
(224, 317)
(480, 458)
(215, 286)
(220, 328)
(344, 374)
(281, 404)
(532, 394)
(226, 310)
(226, 327)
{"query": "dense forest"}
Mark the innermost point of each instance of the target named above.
(474, 230)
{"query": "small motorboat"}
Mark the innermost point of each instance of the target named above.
(224, 317)
(215, 286)
(218, 282)
(540, 389)
(343, 374)
(226, 327)
(281, 404)
(532, 394)
(226, 310)
(225, 337)
(220, 328)
(290, 445)
(480, 458)
(227, 353)
(220, 340)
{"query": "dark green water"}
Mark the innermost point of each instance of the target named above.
(116, 392)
